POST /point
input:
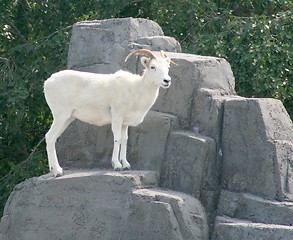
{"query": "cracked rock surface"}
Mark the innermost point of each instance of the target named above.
(101, 204)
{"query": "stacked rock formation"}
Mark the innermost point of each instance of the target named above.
(225, 162)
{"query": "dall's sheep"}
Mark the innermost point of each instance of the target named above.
(121, 99)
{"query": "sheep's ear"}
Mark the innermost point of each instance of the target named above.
(163, 54)
(145, 61)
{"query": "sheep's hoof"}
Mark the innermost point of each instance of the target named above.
(57, 172)
(125, 165)
(117, 167)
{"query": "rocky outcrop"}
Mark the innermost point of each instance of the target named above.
(247, 216)
(101, 205)
(257, 148)
(227, 159)
(101, 46)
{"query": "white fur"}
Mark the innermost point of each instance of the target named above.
(121, 99)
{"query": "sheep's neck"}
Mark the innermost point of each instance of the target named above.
(148, 86)
(147, 93)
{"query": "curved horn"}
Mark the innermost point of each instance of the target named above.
(141, 51)
(173, 63)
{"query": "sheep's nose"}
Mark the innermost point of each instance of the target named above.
(167, 80)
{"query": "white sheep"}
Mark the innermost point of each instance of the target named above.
(121, 99)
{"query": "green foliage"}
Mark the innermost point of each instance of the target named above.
(34, 38)
(255, 36)
(258, 49)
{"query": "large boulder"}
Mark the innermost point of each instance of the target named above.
(249, 207)
(257, 144)
(190, 166)
(102, 45)
(101, 205)
(234, 229)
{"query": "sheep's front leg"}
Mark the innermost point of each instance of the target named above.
(124, 137)
(117, 130)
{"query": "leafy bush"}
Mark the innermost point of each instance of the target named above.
(34, 43)
(255, 36)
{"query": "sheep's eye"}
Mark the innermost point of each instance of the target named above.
(152, 67)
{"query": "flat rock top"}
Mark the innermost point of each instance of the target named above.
(139, 178)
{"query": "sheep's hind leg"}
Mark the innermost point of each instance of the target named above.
(58, 126)
(124, 137)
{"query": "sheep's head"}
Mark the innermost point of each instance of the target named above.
(157, 68)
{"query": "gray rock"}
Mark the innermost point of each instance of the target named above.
(257, 146)
(100, 205)
(208, 112)
(189, 215)
(85, 146)
(157, 43)
(102, 45)
(92, 41)
(233, 229)
(254, 208)
(147, 142)
(190, 166)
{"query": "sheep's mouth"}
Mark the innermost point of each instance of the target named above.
(166, 84)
